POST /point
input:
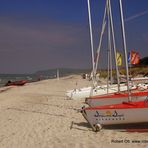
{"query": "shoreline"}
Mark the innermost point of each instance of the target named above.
(39, 115)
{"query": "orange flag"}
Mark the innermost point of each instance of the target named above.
(134, 58)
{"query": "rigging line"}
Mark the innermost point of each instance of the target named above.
(136, 16)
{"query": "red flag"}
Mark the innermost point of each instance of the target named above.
(134, 58)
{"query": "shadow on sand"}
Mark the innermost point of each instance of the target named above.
(138, 127)
(79, 126)
(125, 127)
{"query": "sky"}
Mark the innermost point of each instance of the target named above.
(45, 34)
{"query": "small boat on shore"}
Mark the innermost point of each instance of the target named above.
(95, 91)
(122, 113)
(16, 83)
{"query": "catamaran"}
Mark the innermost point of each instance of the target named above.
(122, 113)
(95, 91)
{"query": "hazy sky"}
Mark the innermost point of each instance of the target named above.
(43, 34)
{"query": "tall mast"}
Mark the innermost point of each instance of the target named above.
(114, 44)
(109, 73)
(124, 46)
(109, 48)
(101, 36)
(91, 38)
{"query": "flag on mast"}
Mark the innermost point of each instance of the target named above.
(133, 58)
(118, 59)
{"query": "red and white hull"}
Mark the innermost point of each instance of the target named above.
(123, 113)
(115, 98)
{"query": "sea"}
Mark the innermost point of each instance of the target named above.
(40, 75)
(4, 78)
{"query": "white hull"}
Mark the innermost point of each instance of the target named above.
(99, 90)
(139, 79)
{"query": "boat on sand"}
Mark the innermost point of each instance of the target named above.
(16, 83)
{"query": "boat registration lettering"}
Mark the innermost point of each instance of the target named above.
(108, 114)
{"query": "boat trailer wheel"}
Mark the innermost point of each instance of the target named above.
(98, 127)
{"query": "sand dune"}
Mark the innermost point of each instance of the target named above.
(38, 115)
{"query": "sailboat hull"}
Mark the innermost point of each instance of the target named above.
(89, 91)
(124, 113)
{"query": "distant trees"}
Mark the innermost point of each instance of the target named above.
(144, 61)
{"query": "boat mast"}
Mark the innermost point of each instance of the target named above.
(91, 39)
(101, 36)
(109, 48)
(114, 44)
(124, 46)
(109, 75)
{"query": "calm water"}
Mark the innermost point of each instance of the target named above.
(4, 78)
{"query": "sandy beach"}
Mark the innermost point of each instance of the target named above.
(38, 115)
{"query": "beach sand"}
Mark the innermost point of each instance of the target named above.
(38, 115)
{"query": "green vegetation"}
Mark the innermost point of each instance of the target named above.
(133, 71)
